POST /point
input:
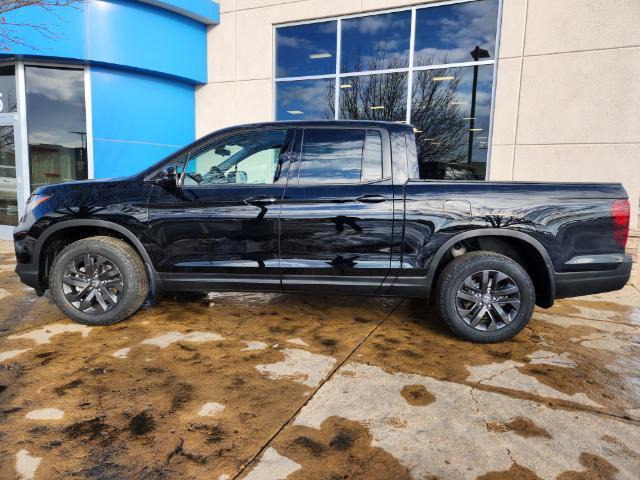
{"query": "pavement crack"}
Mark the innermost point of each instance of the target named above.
(478, 411)
(312, 394)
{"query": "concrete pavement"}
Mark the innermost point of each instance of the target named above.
(275, 386)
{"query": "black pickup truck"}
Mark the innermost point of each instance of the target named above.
(323, 207)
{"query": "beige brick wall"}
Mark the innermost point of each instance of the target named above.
(567, 94)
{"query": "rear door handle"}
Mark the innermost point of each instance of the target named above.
(371, 199)
(260, 200)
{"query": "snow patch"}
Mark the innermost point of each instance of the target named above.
(300, 366)
(210, 409)
(298, 341)
(44, 334)
(122, 353)
(45, 414)
(273, 466)
(12, 353)
(168, 338)
(255, 346)
(26, 465)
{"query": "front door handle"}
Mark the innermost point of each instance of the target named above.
(260, 200)
(371, 199)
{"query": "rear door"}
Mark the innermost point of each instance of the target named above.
(336, 217)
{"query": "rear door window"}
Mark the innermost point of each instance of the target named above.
(332, 155)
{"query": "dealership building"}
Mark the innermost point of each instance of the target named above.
(519, 90)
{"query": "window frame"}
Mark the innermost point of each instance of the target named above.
(200, 148)
(337, 76)
(295, 159)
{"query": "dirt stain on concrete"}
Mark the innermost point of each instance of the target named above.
(417, 395)
(515, 472)
(340, 449)
(596, 468)
(520, 426)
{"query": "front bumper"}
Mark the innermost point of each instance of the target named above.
(575, 284)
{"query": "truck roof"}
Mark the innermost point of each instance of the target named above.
(392, 126)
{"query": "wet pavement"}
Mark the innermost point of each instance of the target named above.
(275, 386)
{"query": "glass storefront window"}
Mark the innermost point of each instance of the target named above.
(8, 101)
(375, 42)
(452, 121)
(304, 50)
(462, 32)
(305, 100)
(374, 97)
(56, 125)
(450, 106)
(8, 190)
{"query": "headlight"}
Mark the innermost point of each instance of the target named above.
(35, 200)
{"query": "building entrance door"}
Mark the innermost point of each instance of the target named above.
(8, 180)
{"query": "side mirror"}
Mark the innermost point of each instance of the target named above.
(167, 178)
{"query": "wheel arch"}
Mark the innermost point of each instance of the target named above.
(545, 293)
(97, 227)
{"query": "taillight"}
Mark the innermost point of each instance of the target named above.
(621, 213)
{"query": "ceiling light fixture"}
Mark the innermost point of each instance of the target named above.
(475, 129)
(442, 79)
(346, 85)
(377, 107)
(316, 56)
(295, 112)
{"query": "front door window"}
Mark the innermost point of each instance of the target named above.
(248, 158)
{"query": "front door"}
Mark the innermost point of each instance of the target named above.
(220, 226)
(8, 180)
(337, 213)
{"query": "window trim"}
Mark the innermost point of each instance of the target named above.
(409, 70)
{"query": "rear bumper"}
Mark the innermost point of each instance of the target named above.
(575, 284)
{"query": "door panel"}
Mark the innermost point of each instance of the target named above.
(338, 233)
(214, 227)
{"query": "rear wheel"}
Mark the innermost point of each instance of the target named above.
(99, 281)
(485, 297)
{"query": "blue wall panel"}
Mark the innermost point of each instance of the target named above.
(137, 119)
(126, 33)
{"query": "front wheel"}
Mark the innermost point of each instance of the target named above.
(99, 281)
(485, 297)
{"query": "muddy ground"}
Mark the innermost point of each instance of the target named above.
(284, 386)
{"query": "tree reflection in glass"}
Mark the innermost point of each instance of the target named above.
(451, 140)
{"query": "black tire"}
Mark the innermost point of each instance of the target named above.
(458, 281)
(131, 279)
